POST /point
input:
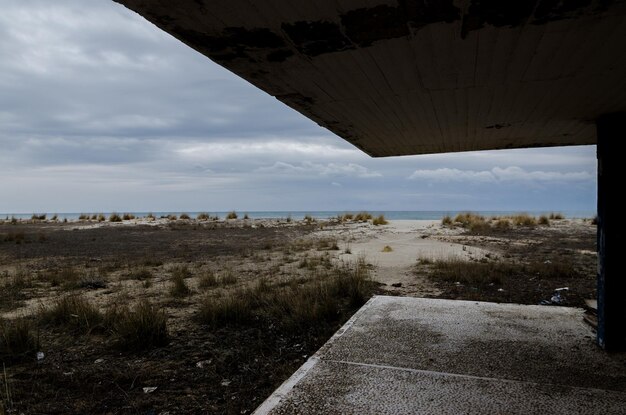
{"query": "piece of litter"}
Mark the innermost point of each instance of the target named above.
(561, 289)
(97, 361)
(201, 364)
(149, 389)
(500, 289)
(225, 382)
(40, 356)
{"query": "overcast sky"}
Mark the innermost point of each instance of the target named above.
(102, 111)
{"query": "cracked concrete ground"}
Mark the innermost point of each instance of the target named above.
(401, 355)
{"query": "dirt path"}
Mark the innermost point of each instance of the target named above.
(408, 240)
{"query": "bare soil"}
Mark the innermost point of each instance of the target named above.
(228, 370)
(231, 370)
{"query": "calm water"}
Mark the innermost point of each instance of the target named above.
(392, 214)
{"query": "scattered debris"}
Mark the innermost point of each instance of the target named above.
(225, 382)
(149, 389)
(558, 298)
(98, 361)
(40, 356)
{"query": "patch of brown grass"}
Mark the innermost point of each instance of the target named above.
(380, 220)
(293, 304)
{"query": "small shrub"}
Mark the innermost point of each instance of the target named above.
(246, 216)
(128, 216)
(101, 217)
(184, 216)
(83, 216)
(308, 219)
(73, 312)
(203, 216)
(36, 216)
(594, 221)
(556, 216)
(18, 340)
(347, 216)
(114, 217)
(380, 220)
(139, 328)
(54, 217)
(446, 220)
(543, 220)
(231, 215)
(172, 217)
(387, 248)
(150, 216)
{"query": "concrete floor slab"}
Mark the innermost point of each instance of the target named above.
(415, 355)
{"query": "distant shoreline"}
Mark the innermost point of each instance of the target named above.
(300, 215)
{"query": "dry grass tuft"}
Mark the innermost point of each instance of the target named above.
(524, 220)
(141, 327)
(18, 340)
(114, 217)
(380, 220)
(179, 286)
(446, 220)
(543, 220)
(184, 216)
(73, 312)
(203, 216)
(556, 216)
(231, 215)
(128, 216)
(387, 248)
(362, 217)
(208, 280)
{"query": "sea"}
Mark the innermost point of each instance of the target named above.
(323, 214)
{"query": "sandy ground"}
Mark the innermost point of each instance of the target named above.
(409, 240)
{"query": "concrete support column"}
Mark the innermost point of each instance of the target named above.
(611, 129)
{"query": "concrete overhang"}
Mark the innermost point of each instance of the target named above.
(416, 76)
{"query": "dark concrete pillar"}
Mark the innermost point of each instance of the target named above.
(611, 130)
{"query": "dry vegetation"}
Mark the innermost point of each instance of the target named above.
(478, 224)
(214, 315)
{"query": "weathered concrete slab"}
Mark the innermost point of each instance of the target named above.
(412, 355)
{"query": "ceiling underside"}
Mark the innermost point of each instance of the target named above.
(416, 76)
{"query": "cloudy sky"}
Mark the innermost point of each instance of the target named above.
(101, 111)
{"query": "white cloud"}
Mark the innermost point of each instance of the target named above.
(330, 169)
(263, 146)
(498, 174)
